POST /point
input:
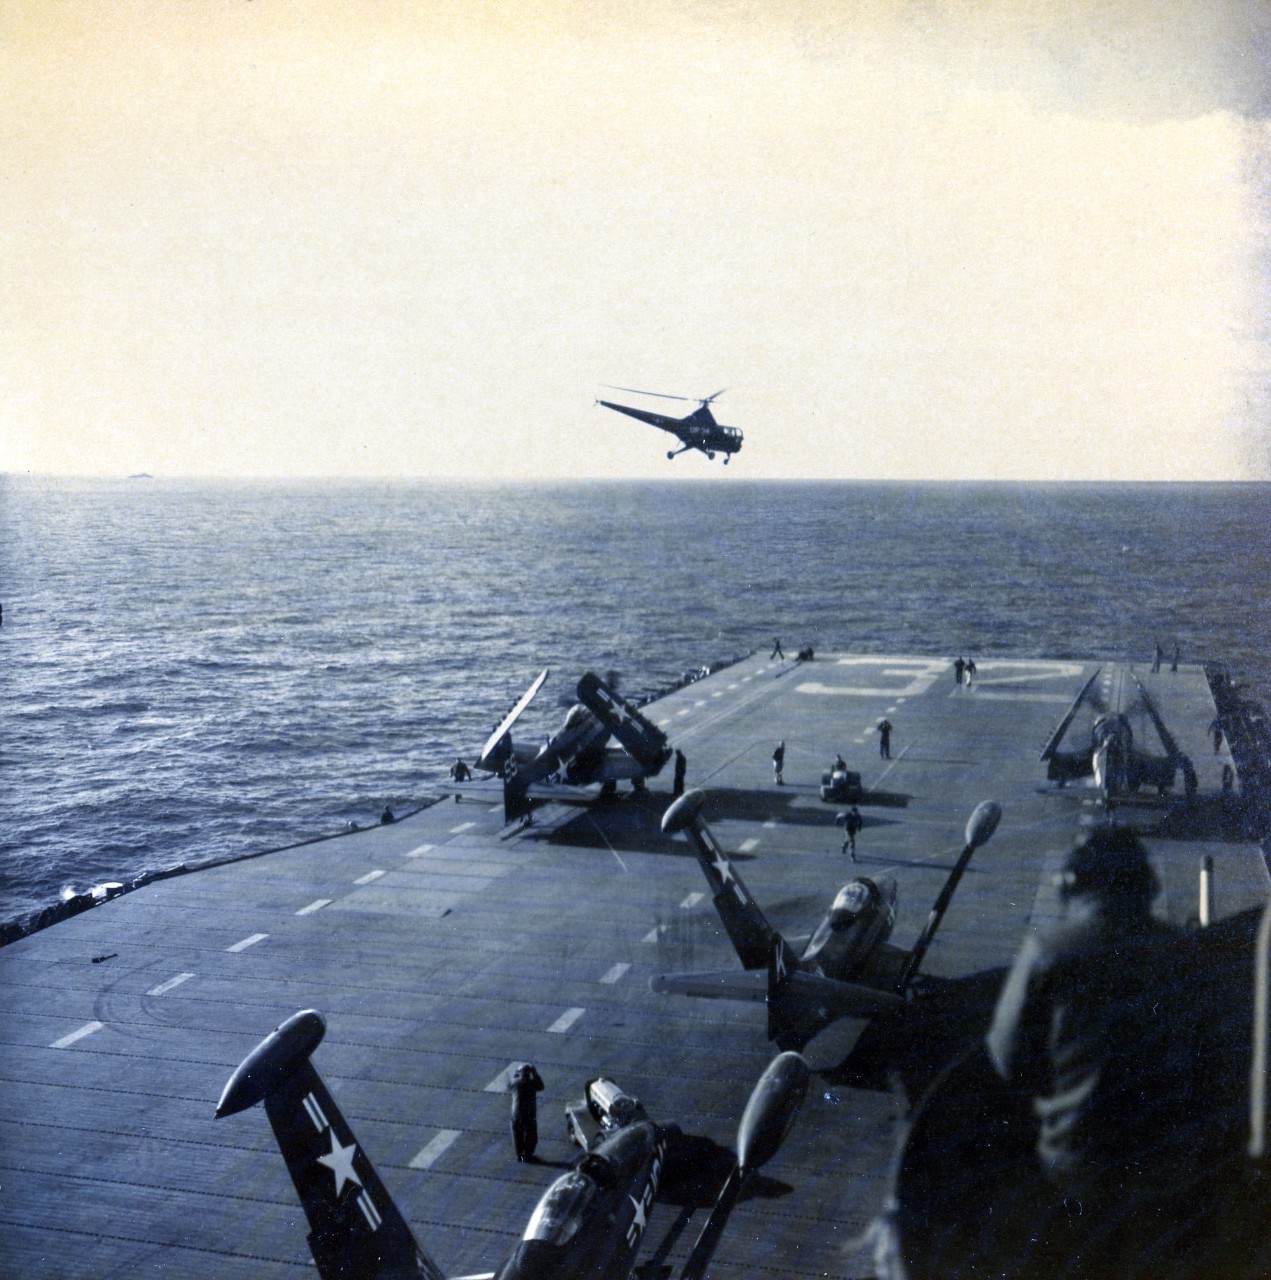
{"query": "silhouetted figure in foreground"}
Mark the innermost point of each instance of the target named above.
(525, 1084)
(387, 816)
(779, 762)
(884, 738)
(776, 650)
(1086, 1023)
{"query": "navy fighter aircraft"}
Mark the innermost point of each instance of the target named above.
(587, 1225)
(847, 968)
(698, 431)
(578, 754)
(1106, 748)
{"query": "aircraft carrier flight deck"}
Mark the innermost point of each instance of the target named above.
(449, 946)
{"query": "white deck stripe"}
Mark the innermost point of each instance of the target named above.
(420, 849)
(370, 875)
(770, 824)
(86, 1030)
(248, 942)
(747, 845)
(316, 905)
(615, 973)
(655, 933)
(436, 1149)
(566, 1020)
(692, 900)
(165, 987)
(461, 828)
(500, 1082)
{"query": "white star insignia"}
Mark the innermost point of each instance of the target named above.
(340, 1162)
(640, 1218)
(722, 868)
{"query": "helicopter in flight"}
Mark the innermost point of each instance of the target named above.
(698, 430)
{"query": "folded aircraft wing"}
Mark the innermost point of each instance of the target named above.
(715, 984)
(1062, 727)
(640, 736)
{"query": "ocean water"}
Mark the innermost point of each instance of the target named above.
(194, 669)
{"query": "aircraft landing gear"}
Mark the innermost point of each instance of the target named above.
(670, 453)
(710, 453)
(726, 459)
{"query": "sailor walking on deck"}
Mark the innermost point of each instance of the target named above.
(779, 762)
(525, 1084)
(850, 821)
(884, 738)
(776, 649)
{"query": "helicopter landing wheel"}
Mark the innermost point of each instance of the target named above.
(710, 453)
(670, 454)
(725, 462)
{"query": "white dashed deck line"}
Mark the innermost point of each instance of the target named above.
(495, 808)
(461, 828)
(164, 987)
(701, 702)
(719, 693)
(436, 1149)
(248, 942)
(890, 709)
(771, 824)
(691, 901)
(565, 1021)
(663, 723)
(615, 973)
(86, 1030)
(370, 875)
(734, 687)
(500, 1082)
(747, 845)
(682, 712)
(420, 849)
(316, 905)
(655, 933)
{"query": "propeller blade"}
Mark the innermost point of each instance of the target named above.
(716, 396)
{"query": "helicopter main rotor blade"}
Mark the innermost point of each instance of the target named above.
(716, 396)
(661, 395)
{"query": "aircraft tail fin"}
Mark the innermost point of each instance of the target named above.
(747, 927)
(355, 1228)
(784, 1026)
(516, 796)
(645, 742)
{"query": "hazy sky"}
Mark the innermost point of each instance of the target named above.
(913, 238)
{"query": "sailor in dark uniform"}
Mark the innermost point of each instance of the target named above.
(1086, 1023)
(525, 1084)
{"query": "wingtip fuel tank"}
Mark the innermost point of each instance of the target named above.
(773, 1105)
(272, 1061)
(679, 816)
